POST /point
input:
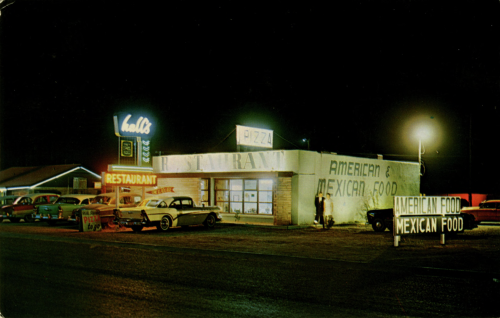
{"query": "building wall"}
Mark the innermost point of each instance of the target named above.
(283, 202)
(356, 184)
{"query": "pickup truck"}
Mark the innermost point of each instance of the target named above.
(104, 204)
(487, 211)
(167, 212)
(384, 218)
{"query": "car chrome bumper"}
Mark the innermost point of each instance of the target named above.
(128, 223)
(73, 220)
(47, 217)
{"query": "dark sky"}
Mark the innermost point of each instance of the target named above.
(355, 77)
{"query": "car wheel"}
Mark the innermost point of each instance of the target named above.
(137, 228)
(15, 220)
(210, 221)
(164, 224)
(28, 218)
(378, 225)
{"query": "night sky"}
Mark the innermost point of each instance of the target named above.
(354, 77)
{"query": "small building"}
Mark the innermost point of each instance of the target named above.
(60, 179)
(279, 186)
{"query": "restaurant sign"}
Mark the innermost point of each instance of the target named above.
(133, 125)
(254, 137)
(91, 221)
(420, 215)
(130, 179)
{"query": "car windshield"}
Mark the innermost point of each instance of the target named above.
(101, 200)
(487, 205)
(150, 202)
(25, 200)
(67, 200)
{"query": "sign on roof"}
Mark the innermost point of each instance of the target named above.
(254, 137)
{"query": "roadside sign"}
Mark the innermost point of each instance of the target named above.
(90, 221)
(427, 224)
(421, 215)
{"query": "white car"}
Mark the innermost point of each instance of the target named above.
(166, 212)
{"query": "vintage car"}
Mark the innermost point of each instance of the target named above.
(8, 200)
(384, 219)
(487, 211)
(104, 204)
(166, 212)
(23, 207)
(62, 208)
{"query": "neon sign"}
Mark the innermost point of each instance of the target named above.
(129, 125)
(130, 179)
(142, 126)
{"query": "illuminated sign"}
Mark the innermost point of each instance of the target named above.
(129, 125)
(421, 215)
(427, 224)
(130, 179)
(162, 190)
(127, 148)
(254, 137)
(146, 152)
(408, 205)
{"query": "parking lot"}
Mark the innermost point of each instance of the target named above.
(475, 250)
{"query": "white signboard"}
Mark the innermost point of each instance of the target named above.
(417, 205)
(90, 222)
(254, 137)
(419, 215)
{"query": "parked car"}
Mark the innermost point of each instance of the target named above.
(384, 219)
(104, 204)
(62, 208)
(166, 212)
(8, 200)
(487, 211)
(23, 207)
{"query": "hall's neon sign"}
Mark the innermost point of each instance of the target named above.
(142, 126)
(129, 125)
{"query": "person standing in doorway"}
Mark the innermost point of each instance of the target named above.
(328, 214)
(319, 202)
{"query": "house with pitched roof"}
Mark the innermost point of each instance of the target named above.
(60, 179)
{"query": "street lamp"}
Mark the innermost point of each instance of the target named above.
(306, 140)
(422, 133)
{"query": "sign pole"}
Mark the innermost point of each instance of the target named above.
(396, 240)
(443, 239)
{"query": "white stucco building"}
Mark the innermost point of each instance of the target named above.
(279, 186)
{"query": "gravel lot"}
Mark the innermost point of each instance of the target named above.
(475, 250)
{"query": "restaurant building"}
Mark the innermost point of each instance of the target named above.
(278, 187)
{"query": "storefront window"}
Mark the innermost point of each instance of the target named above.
(205, 192)
(249, 196)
